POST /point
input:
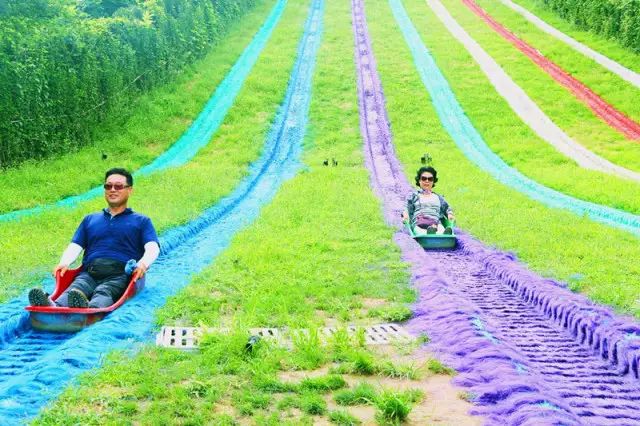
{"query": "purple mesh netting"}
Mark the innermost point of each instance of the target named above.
(530, 351)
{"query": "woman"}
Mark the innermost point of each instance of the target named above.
(426, 210)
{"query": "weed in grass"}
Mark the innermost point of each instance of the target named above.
(360, 337)
(413, 395)
(423, 339)
(223, 420)
(340, 344)
(312, 403)
(362, 394)
(343, 418)
(323, 384)
(392, 408)
(437, 367)
(127, 408)
(392, 313)
(289, 401)
(248, 401)
(308, 351)
(197, 389)
(273, 385)
(363, 363)
(403, 371)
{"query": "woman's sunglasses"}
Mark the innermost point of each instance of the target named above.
(426, 178)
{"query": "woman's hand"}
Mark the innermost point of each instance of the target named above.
(451, 216)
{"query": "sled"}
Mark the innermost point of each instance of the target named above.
(67, 320)
(435, 241)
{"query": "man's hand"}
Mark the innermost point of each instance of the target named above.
(61, 268)
(451, 216)
(140, 270)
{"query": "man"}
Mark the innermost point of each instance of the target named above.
(109, 238)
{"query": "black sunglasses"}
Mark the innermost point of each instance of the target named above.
(426, 178)
(115, 186)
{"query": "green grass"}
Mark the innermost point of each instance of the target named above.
(552, 242)
(606, 84)
(610, 48)
(32, 246)
(394, 407)
(343, 418)
(503, 130)
(437, 367)
(158, 120)
(304, 270)
(571, 114)
(362, 394)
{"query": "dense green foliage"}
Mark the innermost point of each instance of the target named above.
(65, 66)
(618, 19)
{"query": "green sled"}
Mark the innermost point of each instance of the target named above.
(435, 241)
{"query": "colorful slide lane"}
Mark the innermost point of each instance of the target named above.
(524, 106)
(203, 127)
(35, 366)
(530, 351)
(613, 66)
(467, 138)
(615, 118)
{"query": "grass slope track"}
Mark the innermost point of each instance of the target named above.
(515, 381)
(473, 146)
(601, 108)
(613, 66)
(204, 126)
(524, 106)
(35, 366)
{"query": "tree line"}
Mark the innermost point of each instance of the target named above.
(66, 65)
(615, 19)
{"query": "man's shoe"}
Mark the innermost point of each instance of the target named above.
(448, 230)
(432, 229)
(38, 297)
(77, 299)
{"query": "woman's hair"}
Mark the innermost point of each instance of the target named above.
(429, 169)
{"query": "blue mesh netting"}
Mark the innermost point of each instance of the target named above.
(35, 366)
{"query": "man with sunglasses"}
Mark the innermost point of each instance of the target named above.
(109, 238)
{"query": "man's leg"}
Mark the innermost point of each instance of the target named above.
(109, 291)
(83, 282)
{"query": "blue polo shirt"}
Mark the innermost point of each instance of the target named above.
(121, 237)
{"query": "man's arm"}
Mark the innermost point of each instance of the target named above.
(151, 253)
(69, 256)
